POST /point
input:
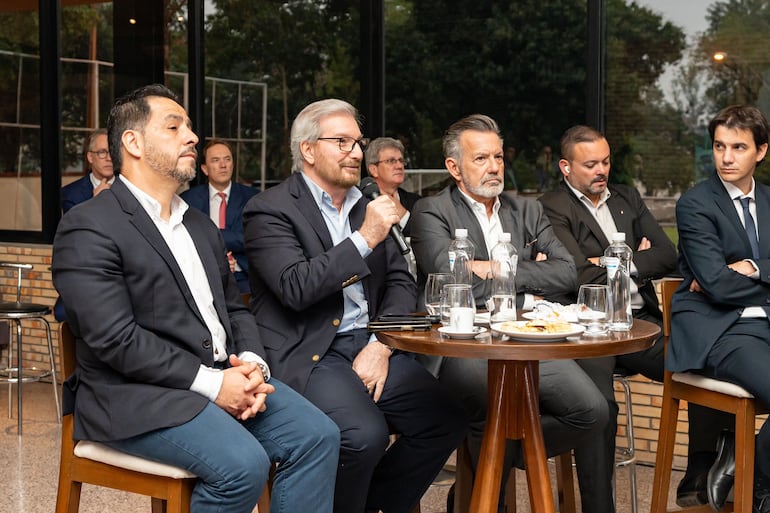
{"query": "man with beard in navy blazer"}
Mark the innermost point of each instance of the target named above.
(170, 364)
(719, 321)
(208, 198)
(322, 267)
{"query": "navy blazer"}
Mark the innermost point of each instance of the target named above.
(140, 338)
(579, 231)
(297, 276)
(77, 192)
(408, 199)
(711, 236)
(198, 197)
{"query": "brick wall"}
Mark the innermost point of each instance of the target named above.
(37, 287)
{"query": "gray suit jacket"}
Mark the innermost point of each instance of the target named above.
(711, 236)
(435, 218)
(140, 336)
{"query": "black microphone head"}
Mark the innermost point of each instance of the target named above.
(369, 187)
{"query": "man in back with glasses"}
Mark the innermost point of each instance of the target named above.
(97, 156)
(321, 267)
(385, 162)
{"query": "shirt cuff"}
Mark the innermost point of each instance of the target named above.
(529, 302)
(207, 382)
(360, 244)
(755, 274)
(250, 356)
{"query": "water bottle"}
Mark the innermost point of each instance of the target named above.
(617, 259)
(461, 253)
(504, 260)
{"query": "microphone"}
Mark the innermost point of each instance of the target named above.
(371, 190)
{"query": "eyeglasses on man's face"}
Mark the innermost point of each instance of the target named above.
(391, 162)
(102, 154)
(347, 144)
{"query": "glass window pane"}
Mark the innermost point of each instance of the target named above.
(19, 122)
(522, 63)
(284, 54)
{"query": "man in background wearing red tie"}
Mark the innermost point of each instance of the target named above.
(223, 201)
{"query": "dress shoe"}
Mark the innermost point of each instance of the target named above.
(722, 474)
(761, 493)
(692, 488)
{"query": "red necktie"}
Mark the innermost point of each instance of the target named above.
(222, 210)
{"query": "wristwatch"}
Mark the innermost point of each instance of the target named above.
(265, 371)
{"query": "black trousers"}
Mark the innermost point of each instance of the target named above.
(742, 356)
(430, 422)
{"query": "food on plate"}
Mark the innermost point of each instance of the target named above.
(537, 326)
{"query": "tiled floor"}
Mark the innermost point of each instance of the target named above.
(30, 466)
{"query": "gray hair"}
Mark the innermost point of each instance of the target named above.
(307, 125)
(88, 145)
(376, 146)
(476, 122)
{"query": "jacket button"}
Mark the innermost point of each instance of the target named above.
(207, 344)
(316, 357)
(336, 322)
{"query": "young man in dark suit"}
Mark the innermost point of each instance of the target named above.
(323, 266)
(222, 190)
(585, 210)
(171, 366)
(719, 323)
(385, 163)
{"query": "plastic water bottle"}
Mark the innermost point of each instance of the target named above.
(504, 260)
(617, 260)
(461, 253)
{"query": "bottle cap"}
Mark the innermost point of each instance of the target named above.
(618, 237)
(505, 237)
(461, 233)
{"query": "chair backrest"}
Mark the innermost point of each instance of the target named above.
(667, 289)
(67, 349)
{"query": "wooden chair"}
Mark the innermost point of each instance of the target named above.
(713, 393)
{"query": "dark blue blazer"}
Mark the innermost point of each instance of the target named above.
(711, 236)
(77, 192)
(140, 336)
(198, 197)
(298, 275)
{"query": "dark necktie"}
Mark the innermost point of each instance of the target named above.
(751, 229)
(222, 210)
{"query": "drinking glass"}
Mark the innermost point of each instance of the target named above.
(458, 308)
(593, 309)
(434, 289)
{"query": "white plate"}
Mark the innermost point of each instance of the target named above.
(444, 330)
(563, 316)
(481, 318)
(577, 329)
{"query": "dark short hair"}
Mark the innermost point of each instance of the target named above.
(742, 117)
(214, 142)
(576, 135)
(476, 122)
(131, 112)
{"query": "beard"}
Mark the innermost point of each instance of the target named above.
(169, 165)
(340, 176)
(483, 189)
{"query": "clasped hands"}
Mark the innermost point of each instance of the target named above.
(244, 391)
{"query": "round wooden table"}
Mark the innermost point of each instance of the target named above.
(513, 397)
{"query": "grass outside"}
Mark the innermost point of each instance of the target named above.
(672, 233)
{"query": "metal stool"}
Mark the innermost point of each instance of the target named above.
(627, 454)
(15, 312)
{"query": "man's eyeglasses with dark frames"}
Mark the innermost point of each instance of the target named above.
(391, 162)
(102, 154)
(347, 144)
